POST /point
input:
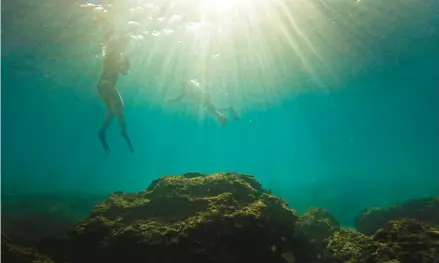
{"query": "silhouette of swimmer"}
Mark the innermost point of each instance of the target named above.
(115, 63)
(191, 89)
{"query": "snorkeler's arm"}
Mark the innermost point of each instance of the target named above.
(106, 28)
(176, 98)
(182, 94)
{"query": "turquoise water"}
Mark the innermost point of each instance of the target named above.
(339, 100)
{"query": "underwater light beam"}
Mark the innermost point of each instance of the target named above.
(246, 48)
(222, 5)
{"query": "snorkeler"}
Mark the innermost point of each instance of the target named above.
(194, 91)
(115, 62)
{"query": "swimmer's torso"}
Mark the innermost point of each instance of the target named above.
(112, 65)
(195, 91)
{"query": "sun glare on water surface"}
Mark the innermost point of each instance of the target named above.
(222, 5)
(257, 51)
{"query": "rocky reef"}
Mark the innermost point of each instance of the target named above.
(424, 209)
(227, 218)
(399, 241)
(316, 225)
(12, 253)
(319, 239)
(222, 217)
(311, 235)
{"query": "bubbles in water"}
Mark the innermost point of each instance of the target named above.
(148, 5)
(155, 33)
(194, 26)
(99, 8)
(168, 31)
(191, 25)
(136, 37)
(175, 19)
(136, 9)
(195, 82)
(133, 23)
(88, 5)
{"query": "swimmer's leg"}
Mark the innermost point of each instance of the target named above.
(123, 128)
(221, 118)
(103, 130)
(116, 106)
(208, 105)
(232, 111)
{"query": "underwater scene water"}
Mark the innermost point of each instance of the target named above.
(261, 131)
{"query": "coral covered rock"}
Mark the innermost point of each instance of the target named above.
(223, 217)
(408, 241)
(400, 241)
(424, 210)
(317, 224)
(311, 232)
(349, 246)
(12, 253)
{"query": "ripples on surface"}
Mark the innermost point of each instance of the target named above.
(250, 51)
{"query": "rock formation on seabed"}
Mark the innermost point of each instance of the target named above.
(423, 209)
(318, 238)
(12, 253)
(222, 217)
(399, 241)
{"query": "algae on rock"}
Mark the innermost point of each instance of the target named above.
(423, 209)
(316, 224)
(12, 253)
(402, 241)
(312, 231)
(350, 246)
(222, 217)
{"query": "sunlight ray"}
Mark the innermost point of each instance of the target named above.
(251, 49)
